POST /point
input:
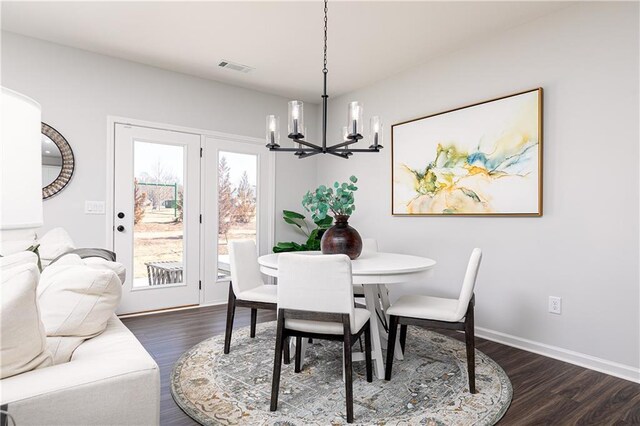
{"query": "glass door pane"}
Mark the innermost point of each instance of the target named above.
(158, 239)
(237, 203)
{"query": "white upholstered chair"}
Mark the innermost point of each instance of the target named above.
(315, 300)
(247, 289)
(438, 312)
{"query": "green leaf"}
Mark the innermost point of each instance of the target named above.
(353, 179)
(292, 222)
(336, 184)
(324, 223)
(292, 215)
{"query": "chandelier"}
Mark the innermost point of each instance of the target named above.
(351, 133)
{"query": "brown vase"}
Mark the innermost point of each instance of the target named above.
(342, 239)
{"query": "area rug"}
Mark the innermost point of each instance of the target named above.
(428, 387)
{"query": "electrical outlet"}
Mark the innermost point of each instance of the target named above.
(555, 305)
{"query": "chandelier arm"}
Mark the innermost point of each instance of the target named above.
(341, 155)
(309, 144)
(356, 150)
(295, 149)
(341, 145)
(309, 154)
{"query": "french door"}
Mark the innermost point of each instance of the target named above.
(157, 217)
(238, 206)
(179, 199)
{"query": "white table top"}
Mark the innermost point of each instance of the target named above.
(370, 267)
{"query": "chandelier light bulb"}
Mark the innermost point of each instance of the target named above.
(273, 131)
(355, 119)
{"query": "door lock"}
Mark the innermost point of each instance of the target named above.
(120, 228)
(120, 215)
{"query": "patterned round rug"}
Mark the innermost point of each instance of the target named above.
(428, 387)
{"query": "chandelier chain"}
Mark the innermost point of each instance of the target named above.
(326, 9)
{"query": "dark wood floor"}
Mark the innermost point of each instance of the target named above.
(545, 391)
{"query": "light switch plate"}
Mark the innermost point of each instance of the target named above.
(94, 207)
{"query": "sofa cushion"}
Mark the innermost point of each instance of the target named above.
(77, 300)
(23, 346)
(110, 380)
(55, 243)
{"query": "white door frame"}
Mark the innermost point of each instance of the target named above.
(112, 120)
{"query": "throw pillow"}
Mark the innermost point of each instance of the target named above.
(55, 243)
(62, 348)
(17, 259)
(99, 263)
(77, 300)
(23, 344)
(95, 263)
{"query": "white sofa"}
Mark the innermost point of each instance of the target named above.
(110, 380)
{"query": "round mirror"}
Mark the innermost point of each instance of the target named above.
(51, 161)
(57, 161)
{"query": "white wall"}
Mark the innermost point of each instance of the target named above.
(79, 89)
(585, 247)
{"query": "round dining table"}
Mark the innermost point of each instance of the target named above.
(374, 271)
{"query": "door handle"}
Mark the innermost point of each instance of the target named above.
(120, 228)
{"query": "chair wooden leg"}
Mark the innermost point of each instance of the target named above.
(469, 337)
(367, 352)
(287, 354)
(254, 320)
(391, 345)
(403, 337)
(348, 376)
(298, 360)
(277, 363)
(231, 311)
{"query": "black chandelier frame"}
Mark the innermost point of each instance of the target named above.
(308, 149)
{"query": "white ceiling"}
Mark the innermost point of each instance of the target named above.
(368, 41)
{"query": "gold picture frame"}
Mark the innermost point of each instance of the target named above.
(487, 155)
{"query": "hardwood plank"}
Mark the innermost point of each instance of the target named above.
(545, 391)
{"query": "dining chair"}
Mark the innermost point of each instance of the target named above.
(437, 312)
(247, 289)
(315, 300)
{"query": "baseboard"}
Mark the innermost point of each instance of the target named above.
(179, 308)
(616, 369)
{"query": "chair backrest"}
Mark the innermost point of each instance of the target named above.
(243, 262)
(369, 245)
(316, 283)
(469, 282)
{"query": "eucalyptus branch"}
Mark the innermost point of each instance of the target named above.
(338, 199)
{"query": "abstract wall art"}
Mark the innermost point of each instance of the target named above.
(482, 160)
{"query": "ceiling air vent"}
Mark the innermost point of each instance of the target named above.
(235, 67)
